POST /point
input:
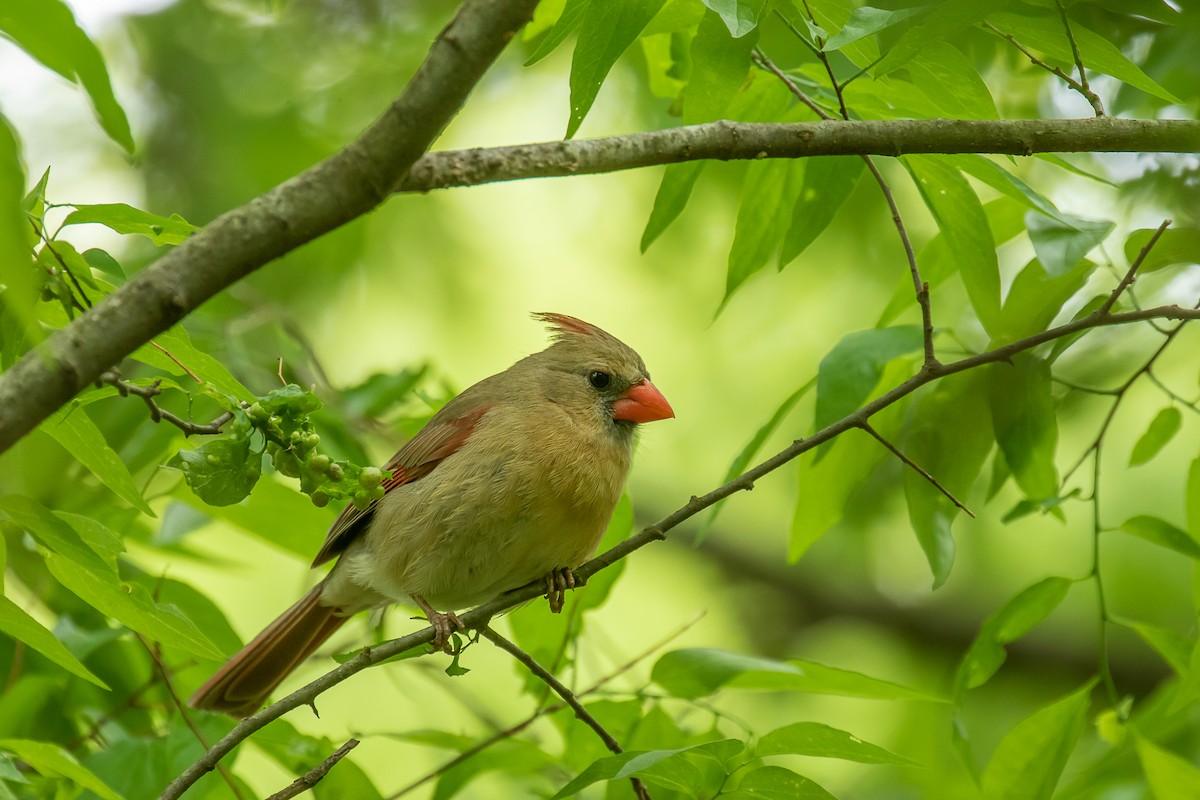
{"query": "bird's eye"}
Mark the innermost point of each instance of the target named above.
(598, 379)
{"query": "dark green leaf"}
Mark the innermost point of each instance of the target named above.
(942, 25)
(1025, 424)
(221, 471)
(853, 367)
(825, 481)
(19, 328)
(1045, 32)
(605, 31)
(1162, 533)
(828, 182)
(697, 672)
(776, 783)
(739, 16)
(1171, 777)
(961, 219)
(100, 260)
(53, 761)
(46, 29)
(1061, 242)
(815, 739)
(1175, 246)
(260, 515)
(55, 533)
(1029, 760)
(1162, 429)
(644, 764)
(1018, 616)
(568, 21)
(768, 195)
(19, 625)
(72, 428)
(1036, 297)
(178, 344)
(866, 21)
(126, 219)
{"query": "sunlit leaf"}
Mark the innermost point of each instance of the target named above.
(220, 471)
(643, 764)
(815, 739)
(19, 625)
(1030, 759)
(1060, 243)
(126, 219)
(53, 761)
(47, 30)
(1171, 777)
(949, 80)
(866, 21)
(72, 428)
(1025, 423)
(568, 21)
(947, 20)
(1192, 493)
(605, 31)
(1174, 246)
(1036, 297)
(1162, 533)
(768, 194)
(184, 354)
(776, 783)
(1162, 429)
(697, 672)
(739, 16)
(1018, 616)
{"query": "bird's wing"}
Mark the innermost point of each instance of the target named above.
(445, 433)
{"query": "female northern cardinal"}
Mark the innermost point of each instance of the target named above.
(512, 481)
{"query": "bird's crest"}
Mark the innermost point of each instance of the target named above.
(561, 325)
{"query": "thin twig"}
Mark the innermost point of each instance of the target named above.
(1091, 97)
(513, 730)
(41, 234)
(1131, 273)
(1084, 88)
(920, 287)
(310, 779)
(184, 713)
(157, 412)
(566, 694)
(866, 426)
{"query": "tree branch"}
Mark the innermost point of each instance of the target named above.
(343, 187)
(476, 618)
(314, 775)
(733, 141)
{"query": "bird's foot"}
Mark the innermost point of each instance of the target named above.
(557, 583)
(444, 625)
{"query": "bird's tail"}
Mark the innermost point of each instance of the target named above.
(241, 686)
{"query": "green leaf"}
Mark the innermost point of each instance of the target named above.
(19, 328)
(1175, 649)
(100, 260)
(815, 739)
(126, 219)
(739, 16)
(605, 31)
(177, 342)
(72, 428)
(46, 29)
(1162, 429)
(1162, 533)
(768, 194)
(743, 459)
(1061, 242)
(776, 783)
(949, 438)
(961, 219)
(644, 764)
(272, 501)
(1030, 759)
(697, 672)
(825, 481)
(19, 625)
(1171, 777)
(853, 367)
(828, 183)
(221, 471)
(866, 21)
(946, 21)
(1045, 32)
(720, 65)
(1175, 246)
(950, 83)
(53, 761)
(1018, 616)
(568, 21)
(1192, 493)
(1036, 297)
(1025, 424)
(987, 171)
(55, 533)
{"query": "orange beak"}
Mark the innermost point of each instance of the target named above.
(642, 403)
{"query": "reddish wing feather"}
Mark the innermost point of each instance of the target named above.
(442, 436)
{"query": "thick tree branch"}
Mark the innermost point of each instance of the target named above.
(732, 141)
(345, 186)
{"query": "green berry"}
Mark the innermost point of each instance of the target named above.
(319, 499)
(318, 462)
(378, 492)
(370, 477)
(335, 472)
(312, 440)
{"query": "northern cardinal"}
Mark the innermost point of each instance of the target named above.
(513, 481)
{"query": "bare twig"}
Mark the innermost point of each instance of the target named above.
(866, 426)
(171, 356)
(159, 414)
(1084, 88)
(1091, 97)
(310, 779)
(1129, 276)
(566, 694)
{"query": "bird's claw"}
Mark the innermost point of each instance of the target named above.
(444, 626)
(557, 583)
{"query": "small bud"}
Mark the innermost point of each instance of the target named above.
(336, 473)
(319, 499)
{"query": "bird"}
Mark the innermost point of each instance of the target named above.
(512, 481)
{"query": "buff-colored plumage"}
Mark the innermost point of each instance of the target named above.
(513, 480)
